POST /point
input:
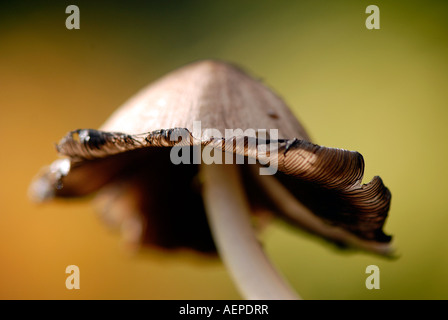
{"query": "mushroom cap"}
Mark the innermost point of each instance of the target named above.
(128, 161)
(220, 95)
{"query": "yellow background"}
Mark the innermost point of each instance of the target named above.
(381, 92)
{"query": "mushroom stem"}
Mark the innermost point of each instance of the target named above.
(228, 214)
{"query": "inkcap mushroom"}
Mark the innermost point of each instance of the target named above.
(191, 160)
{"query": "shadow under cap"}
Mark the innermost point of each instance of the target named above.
(132, 148)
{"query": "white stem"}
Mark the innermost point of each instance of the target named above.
(228, 214)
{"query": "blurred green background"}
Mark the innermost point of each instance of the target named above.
(381, 92)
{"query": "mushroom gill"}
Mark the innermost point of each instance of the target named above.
(129, 164)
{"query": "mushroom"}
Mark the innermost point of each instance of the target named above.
(156, 175)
